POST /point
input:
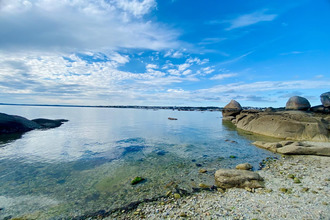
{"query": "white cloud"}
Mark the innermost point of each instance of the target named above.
(208, 70)
(223, 76)
(136, 7)
(81, 25)
(174, 54)
(119, 58)
(186, 72)
(250, 19)
(197, 60)
(151, 66)
(183, 66)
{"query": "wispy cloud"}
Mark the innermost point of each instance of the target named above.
(236, 59)
(213, 40)
(223, 76)
(249, 19)
(291, 53)
(267, 86)
(174, 54)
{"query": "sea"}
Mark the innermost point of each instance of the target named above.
(85, 167)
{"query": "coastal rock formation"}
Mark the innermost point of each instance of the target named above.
(233, 108)
(17, 124)
(226, 178)
(290, 125)
(320, 109)
(297, 103)
(290, 147)
(325, 99)
(47, 123)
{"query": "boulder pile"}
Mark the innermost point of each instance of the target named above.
(298, 121)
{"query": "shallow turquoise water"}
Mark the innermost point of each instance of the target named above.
(86, 164)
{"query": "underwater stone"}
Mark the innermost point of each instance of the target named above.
(137, 180)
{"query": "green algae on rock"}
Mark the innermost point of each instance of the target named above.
(136, 180)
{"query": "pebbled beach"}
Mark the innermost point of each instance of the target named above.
(296, 187)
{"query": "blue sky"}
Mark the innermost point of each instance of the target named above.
(164, 52)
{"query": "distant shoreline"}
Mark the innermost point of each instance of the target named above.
(174, 108)
(178, 108)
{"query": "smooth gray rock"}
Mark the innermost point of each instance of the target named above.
(325, 99)
(290, 125)
(295, 148)
(297, 103)
(244, 166)
(227, 178)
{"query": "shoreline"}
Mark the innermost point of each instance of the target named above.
(281, 198)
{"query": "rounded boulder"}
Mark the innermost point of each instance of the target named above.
(325, 99)
(297, 103)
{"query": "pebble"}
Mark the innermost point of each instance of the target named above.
(202, 185)
(177, 196)
(202, 170)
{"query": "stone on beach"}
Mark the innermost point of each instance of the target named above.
(233, 108)
(297, 103)
(244, 166)
(229, 178)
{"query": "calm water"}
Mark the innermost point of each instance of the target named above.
(86, 165)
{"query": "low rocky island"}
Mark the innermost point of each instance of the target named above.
(10, 124)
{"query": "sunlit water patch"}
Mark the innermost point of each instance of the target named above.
(87, 164)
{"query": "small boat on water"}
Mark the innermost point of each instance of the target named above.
(169, 118)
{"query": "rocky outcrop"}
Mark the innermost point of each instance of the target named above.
(320, 109)
(233, 108)
(47, 123)
(325, 99)
(17, 124)
(297, 103)
(290, 125)
(227, 178)
(298, 148)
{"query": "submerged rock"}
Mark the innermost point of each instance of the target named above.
(233, 108)
(227, 178)
(136, 180)
(297, 103)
